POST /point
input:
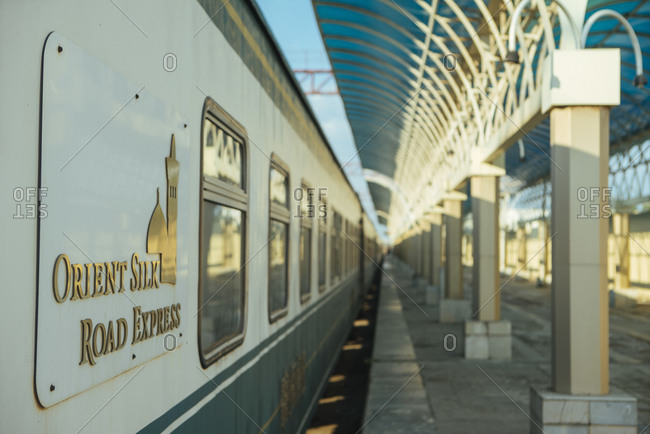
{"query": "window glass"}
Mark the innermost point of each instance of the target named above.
(304, 199)
(334, 250)
(279, 187)
(222, 282)
(305, 261)
(322, 249)
(222, 155)
(278, 267)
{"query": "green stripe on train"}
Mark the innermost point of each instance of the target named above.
(257, 391)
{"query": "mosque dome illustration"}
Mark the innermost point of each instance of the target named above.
(161, 235)
(157, 233)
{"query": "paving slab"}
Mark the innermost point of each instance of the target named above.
(397, 400)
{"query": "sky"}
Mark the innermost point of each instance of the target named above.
(295, 29)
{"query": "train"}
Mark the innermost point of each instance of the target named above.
(182, 251)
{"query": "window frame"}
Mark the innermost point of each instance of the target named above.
(322, 229)
(335, 248)
(222, 193)
(281, 215)
(306, 222)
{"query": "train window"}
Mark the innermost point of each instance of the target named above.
(279, 190)
(224, 207)
(305, 262)
(349, 236)
(279, 239)
(307, 222)
(322, 247)
(335, 251)
(222, 154)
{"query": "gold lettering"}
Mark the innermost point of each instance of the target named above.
(136, 325)
(78, 273)
(55, 279)
(150, 278)
(110, 339)
(135, 270)
(159, 324)
(178, 315)
(109, 269)
(122, 333)
(167, 325)
(146, 316)
(98, 352)
(154, 274)
(143, 275)
(86, 350)
(152, 323)
(98, 289)
(87, 289)
(122, 267)
(155, 322)
(172, 324)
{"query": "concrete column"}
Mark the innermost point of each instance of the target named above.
(453, 307)
(453, 264)
(580, 323)
(486, 302)
(436, 249)
(621, 223)
(433, 260)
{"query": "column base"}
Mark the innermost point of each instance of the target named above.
(552, 412)
(455, 310)
(432, 294)
(488, 340)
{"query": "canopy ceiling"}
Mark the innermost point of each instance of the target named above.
(425, 89)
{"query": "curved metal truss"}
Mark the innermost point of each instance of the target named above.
(528, 204)
(629, 178)
(629, 181)
(429, 97)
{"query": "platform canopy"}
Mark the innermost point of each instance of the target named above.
(428, 95)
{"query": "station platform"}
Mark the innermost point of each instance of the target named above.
(421, 382)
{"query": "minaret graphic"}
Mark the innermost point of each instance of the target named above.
(161, 236)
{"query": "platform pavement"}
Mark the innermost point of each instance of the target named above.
(420, 381)
(397, 401)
